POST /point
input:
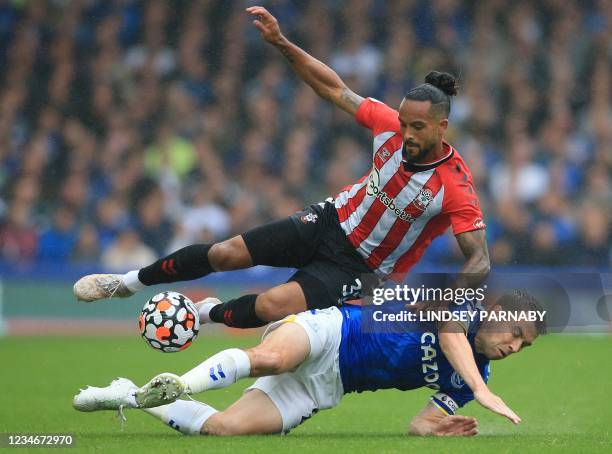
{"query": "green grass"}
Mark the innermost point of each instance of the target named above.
(561, 388)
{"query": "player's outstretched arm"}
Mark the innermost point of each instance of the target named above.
(454, 343)
(432, 422)
(323, 80)
(458, 351)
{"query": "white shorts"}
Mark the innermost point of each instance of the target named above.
(316, 383)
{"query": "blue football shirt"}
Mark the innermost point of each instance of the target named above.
(376, 354)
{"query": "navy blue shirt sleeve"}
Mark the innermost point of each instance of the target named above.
(450, 399)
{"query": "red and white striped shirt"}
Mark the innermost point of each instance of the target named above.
(392, 214)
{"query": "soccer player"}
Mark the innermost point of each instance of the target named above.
(307, 362)
(379, 227)
(418, 186)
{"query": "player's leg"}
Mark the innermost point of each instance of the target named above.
(284, 347)
(253, 414)
(292, 242)
(275, 403)
(318, 285)
(333, 273)
(280, 243)
(254, 310)
(188, 263)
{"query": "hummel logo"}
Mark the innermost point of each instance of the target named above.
(168, 267)
(213, 375)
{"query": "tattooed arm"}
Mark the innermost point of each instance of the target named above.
(477, 265)
(323, 80)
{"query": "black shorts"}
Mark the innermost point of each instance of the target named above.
(330, 270)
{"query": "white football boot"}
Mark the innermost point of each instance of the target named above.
(95, 287)
(161, 390)
(113, 397)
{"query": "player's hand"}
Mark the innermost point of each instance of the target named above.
(456, 425)
(494, 403)
(266, 23)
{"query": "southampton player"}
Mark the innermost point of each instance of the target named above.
(308, 361)
(377, 228)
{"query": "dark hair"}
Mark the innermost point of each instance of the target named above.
(517, 300)
(438, 89)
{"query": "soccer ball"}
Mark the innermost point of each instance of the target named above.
(169, 322)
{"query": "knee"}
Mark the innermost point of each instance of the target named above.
(223, 424)
(266, 361)
(226, 256)
(270, 308)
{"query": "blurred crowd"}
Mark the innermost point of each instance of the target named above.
(132, 128)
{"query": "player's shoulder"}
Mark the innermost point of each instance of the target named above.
(378, 116)
(455, 159)
(378, 104)
(454, 171)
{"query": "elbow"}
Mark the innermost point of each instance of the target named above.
(486, 266)
(331, 92)
(483, 264)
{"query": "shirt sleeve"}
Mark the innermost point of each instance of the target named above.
(452, 399)
(461, 203)
(377, 116)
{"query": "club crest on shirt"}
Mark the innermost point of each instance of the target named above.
(423, 199)
(383, 154)
(310, 217)
(457, 381)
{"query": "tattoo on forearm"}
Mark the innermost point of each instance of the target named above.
(350, 99)
(286, 54)
(474, 248)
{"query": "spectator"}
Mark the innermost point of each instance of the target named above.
(18, 237)
(87, 248)
(127, 252)
(57, 242)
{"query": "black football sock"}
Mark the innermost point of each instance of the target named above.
(237, 313)
(186, 264)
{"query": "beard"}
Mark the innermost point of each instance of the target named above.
(420, 156)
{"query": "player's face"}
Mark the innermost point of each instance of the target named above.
(422, 131)
(498, 340)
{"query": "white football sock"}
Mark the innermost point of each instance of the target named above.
(218, 371)
(204, 312)
(186, 416)
(130, 280)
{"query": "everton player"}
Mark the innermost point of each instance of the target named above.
(307, 362)
(379, 227)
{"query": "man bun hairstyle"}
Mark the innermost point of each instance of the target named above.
(444, 81)
(437, 89)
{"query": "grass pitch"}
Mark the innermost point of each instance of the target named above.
(561, 388)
